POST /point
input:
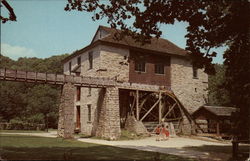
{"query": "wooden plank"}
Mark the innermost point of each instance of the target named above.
(41, 76)
(160, 107)
(150, 113)
(60, 78)
(51, 77)
(137, 105)
(31, 75)
(218, 128)
(172, 107)
(150, 109)
(10, 73)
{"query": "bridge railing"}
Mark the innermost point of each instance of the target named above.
(26, 76)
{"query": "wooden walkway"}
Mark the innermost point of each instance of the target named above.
(60, 79)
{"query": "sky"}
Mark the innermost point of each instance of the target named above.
(44, 29)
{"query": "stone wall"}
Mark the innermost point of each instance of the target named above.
(66, 112)
(192, 92)
(109, 116)
(89, 97)
(114, 63)
(108, 62)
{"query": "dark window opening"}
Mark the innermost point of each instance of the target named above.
(159, 68)
(78, 93)
(79, 60)
(89, 92)
(90, 60)
(195, 72)
(78, 117)
(70, 67)
(140, 66)
(89, 112)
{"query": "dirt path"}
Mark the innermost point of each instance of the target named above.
(180, 146)
(177, 146)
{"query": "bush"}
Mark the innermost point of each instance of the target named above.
(19, 125)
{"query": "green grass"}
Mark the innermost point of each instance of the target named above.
(125, 135)
(22, 131)
(16, 147)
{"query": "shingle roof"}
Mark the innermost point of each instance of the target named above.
(219, 110)
(157, 45)
(160, 45)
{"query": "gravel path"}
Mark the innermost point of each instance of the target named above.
(177, 146)
(180, 146)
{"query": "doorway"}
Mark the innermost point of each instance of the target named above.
(78, 117)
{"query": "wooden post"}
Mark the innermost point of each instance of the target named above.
(55, 78)
(15, 74)
(26, 73)
(218, 128)
(4, 73)
(235, 146)
(36, 77)
(160, 108)
(137, 105)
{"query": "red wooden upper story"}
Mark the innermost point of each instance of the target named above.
(149, 68)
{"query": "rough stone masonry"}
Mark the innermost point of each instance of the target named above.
(66, 112)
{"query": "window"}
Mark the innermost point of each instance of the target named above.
(195, 72)
(78, 93)
(140, 66)
(70, 67)
(159, 68)
(79, 60)
(78, 117)
(89, 113)
(89, 93)
(90, 60)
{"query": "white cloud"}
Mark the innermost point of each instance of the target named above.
(14, 52)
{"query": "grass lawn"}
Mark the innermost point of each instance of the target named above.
(16, 147)
(22, 131)
(125, 135)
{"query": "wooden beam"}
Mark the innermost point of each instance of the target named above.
(218, 128)
(137, 105)
(150, 113)
(150, 109)
(160, 108)
(172, 107)
(174, 119)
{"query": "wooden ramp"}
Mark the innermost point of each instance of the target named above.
(60, 79)
(56, 79)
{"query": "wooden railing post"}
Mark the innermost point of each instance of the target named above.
(4, 73)
(15, 74)
(235, 146)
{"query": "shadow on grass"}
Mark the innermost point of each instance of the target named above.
(244, 150)
(40, 148)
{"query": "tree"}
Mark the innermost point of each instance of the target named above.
(211, 24)
(217, 93)
(43, 99)
(28, 102)
(12, 15)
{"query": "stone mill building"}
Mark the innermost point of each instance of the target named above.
(158, 82)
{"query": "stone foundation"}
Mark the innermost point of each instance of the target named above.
(109, 116)
(66, 112)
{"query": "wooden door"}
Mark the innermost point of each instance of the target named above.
(78, 117)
